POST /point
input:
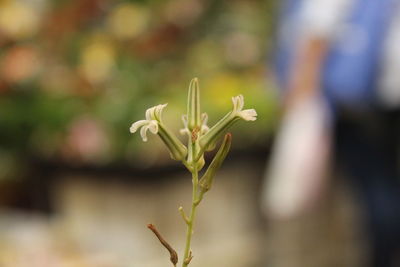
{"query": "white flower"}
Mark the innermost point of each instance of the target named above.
(238, 103)
(154, 124)
(226, 122)
(151, 125)
(247, 114)
(153, 118)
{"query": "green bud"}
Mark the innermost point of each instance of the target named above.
(207, 179)
(193, 106)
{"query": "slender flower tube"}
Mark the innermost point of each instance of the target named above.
(154, 124)
(220, 127)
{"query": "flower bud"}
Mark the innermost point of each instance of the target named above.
(193, 107)
(207, 179)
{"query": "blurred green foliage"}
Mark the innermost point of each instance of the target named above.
(75, 74)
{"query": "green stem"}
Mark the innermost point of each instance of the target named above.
(190, 222)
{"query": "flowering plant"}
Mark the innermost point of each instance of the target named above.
(200, 138)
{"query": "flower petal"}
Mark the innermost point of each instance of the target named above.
(185, 129)
(154, 113)
(248, 114)
(153, 126)
(149, 113)
(204, 128)
(158, 111)
(185, 120)
(204, 118)
(238, 103)
(143, 132)
(135, 126)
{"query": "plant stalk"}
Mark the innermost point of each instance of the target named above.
(189, 232)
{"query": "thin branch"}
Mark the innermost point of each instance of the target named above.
(172, 252)
(182, 212)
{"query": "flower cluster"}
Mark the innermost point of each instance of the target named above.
(200, 136)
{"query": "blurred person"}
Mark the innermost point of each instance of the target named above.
(337, 63)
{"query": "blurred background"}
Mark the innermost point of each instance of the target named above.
(77, 189)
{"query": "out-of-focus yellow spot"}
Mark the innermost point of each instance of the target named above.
(18, 20)
(97, 61)
(222, 87)
(128, 20)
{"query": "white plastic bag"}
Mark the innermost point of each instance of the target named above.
(296, 175)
